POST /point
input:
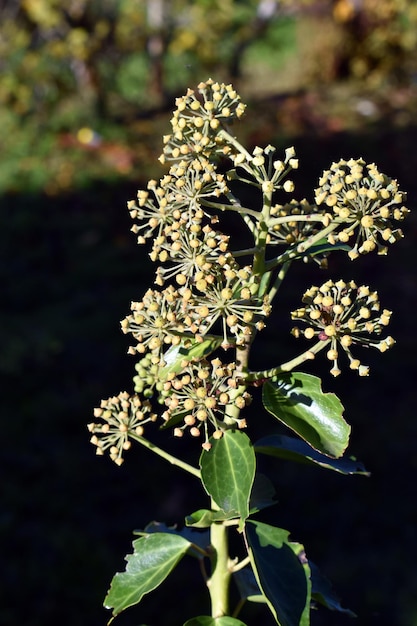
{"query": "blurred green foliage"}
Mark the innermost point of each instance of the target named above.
(105, 65)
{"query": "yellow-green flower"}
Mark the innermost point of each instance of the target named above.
(365, 203)
(157, 322)
(343, 315)
(197, 120)
(231, 299)
(197, 398)
(120, 417)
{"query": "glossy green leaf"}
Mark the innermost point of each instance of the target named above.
(153, 559)
(282, 573)
(228, 471)
(205, 620)
(323, 593)
(292, 449)
(203, 518)
(298, 401)
(198, 539)
(175, 355)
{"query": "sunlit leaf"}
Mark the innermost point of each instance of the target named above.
(228, 471)
(298, 401)
(197, 538)
(175, 355)
(153, 559)
(203, 518)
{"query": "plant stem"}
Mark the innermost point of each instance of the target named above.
(218, 584)
(280, 277)
(167, 456)
(289, 365)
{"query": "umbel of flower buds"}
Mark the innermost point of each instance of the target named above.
(197, 119)
(342, 316)
(120, 417)
(365, 203)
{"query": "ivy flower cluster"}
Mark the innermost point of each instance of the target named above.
(197, 120)
(198, 397)
(286, 231)
(175, 201)
(342, 315)
(227, 295)
(365, 203)
(264, 168)
(206, 299)
(121, 417)
(156, 322)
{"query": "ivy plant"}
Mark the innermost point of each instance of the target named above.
(193, 333)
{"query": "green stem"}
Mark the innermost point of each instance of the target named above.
(302, 248)
(166, 455)
(219, 582)
(289, 365)
(262, 235)
(223, 134)
(219, 206)
(307, 217)
(280, 277)
(243, 563)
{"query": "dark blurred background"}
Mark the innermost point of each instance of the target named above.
(86, 89)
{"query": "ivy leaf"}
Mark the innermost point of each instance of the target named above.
(292, 449)
(205, 620)
(175, 355)
(153, 559)
(228, 471)
(197, 538)
(204, 518)
(247, 586)
(282, 573)
(298, 401)
(323, 593)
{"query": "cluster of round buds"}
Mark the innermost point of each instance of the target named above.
(197, 398)
(154, 215)
(294, 222)
(344, 315)
(148, 376)
(364, 202)
(191, 252)
(189, 181)
(230, 296)
(156, 322)
(198, 118)
(174, 204)
(121, 417)
(269, 172)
